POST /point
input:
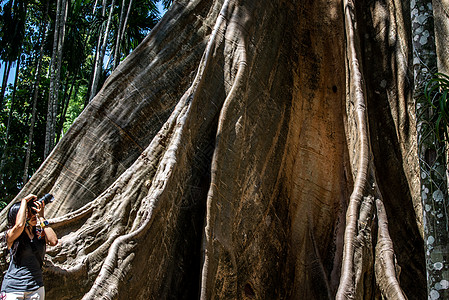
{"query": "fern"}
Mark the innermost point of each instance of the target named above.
(436, 92)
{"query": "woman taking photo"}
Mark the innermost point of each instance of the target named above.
(26, 243)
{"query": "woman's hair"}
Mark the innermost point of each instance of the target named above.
(12, 214)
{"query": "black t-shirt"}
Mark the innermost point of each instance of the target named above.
(25, 270)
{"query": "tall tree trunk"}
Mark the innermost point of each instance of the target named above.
(97, 56)
(102, 51)
(119, 35)
(123, 31)
(229, 147)
(16, 80)
(37, 80)
(5, 81)
(432, 155)
(55, 72)
(125, 22)
(65, 106)
(8, 125)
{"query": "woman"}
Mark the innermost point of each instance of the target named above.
(27, 243)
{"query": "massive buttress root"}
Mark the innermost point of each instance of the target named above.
(221, 158)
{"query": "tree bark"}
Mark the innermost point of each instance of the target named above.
(245, 150)
(432, 155)
(37, 79)
(5, 81)
(8, 124)
(118, 40)
(102, 50)
(65, 106)
(125, 22)
(97, 60)
(55, 73)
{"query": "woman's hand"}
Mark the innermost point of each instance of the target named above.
(39, 209)
(29, 198)
(50, 235)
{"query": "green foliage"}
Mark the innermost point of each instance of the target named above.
(13, 150)
(75, 108)
(436, 92)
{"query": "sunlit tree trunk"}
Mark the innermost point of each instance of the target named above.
(119, 34)
(101, 53)
(5, 81)
(55, 73)
(122, 33)
(97, 60)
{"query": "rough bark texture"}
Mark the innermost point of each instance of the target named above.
(441, 23)
(245, 150)
(431, 151)
(55, 74)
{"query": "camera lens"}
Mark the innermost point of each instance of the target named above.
(47, 198)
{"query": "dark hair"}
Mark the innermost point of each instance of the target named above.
(12, 214)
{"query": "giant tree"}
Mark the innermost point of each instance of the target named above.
(246, 149)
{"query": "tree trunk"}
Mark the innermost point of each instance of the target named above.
(118, 40)
(55, 73)
(37, 79)
(102, 51)
(65, 106)
(8, 124)
(5, 82)
(245, 150)
(122, 32)
(16, 80)
(432, 155)
(97, 60)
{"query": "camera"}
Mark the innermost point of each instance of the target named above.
(47, 198)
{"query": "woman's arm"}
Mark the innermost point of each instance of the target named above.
(50, 236)
(17, 229)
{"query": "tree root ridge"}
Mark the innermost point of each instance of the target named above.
(107, 282)
(120, 252)
(346, 288)
(386, 269)
(73, 248)
(358, 258)
(208, 234)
